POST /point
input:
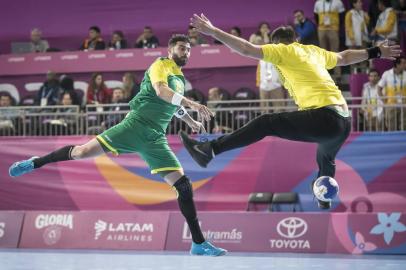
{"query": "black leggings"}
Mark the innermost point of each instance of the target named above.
(323, 126)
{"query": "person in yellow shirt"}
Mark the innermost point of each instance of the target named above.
(323, 115)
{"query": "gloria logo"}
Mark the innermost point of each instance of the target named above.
(290, 229)
(124, 231)
(231, 236)
(2, 229)
(53, 224)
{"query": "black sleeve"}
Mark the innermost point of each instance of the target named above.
(124, 44)
(316, 18)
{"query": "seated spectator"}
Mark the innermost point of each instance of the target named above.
(147, 39)
(65, 119)
(221, 121)
(195, 37)
(393, 87)
(235, 31)
(113, 119)
(37, 43)
(372, 110)
(95, 41)
(400, 9)
(130, 86)
(305, 29)
(117, 41)
(195, 95)
(49, 92)
(66, 84)
(97, 92)
(386, 25)
(8, 116)
(261, 36)
(270, 86)
(356, 26)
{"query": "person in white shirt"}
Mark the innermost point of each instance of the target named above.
(387, 23)
(356, 22)
(392, 87)
(270, 87)
(372, 105)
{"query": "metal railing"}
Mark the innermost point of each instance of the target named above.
(229, 116)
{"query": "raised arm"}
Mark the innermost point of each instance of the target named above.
(384, 50)
(243, 47)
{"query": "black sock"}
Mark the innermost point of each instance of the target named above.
(61, 154)
(188, 209)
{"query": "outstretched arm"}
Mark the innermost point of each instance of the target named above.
(384, 50)
(204, 26)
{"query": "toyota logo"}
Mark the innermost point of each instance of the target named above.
(292, 227)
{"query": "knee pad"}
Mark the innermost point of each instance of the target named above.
(184, 188)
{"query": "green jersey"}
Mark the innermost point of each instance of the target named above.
(146, 106)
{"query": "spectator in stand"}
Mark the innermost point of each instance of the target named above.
(66, 84)
(8, 117)
(49, 92)
(95, 41)
(372, 105)
(269, 86)
(97, 92)
(222, 119)
(392, 87)
(356, 26)
(235, 31)
(261, 36)
(130, 86)
(37, 43)
(327, 15)
(306, 30)
(115, 118)
(117, 41)
(195, 37)
(147, 39)
(400, 9)
(386, 25)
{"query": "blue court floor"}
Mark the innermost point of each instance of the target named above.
(22, 259)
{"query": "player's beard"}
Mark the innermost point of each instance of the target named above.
(180, 61)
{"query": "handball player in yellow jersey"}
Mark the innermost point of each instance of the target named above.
(323, 115)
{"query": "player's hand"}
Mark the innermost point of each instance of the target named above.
(202, 24)
(198, 127)
(204, 113)
(390, 52)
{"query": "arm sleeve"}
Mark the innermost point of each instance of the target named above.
(273, 53)
(390, 22)
(330, 58)
(340, 7)
(382, 81)
(158, 72)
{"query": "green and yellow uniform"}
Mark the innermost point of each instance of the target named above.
(143, 129)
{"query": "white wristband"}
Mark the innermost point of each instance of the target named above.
(176, 99)
(181, 112)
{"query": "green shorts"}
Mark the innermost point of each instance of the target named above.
(133, 136)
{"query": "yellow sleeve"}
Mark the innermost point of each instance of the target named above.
(348, 25)
(330, 58)
(158, 72)
(258, 77)
(390, 22)
(273, 53)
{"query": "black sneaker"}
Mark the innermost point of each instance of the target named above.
(322, 204)
(201, 152)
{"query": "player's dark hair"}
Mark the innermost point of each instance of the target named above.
(237, 29)
(372, 70)
(298, 10)
(178, 37)
(283, 34)
(386, 3)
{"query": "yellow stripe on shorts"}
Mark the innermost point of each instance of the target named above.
(111, 148)
(155, 171)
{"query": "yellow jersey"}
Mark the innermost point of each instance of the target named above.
(303, 72)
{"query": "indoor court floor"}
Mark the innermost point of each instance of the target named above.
(24, 259)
